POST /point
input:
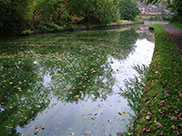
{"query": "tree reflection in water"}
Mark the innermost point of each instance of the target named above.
(68, 67)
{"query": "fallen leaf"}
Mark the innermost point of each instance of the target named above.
(10, 126)
(122, 113)
(118, 101)
(93, 118)
(68, 86)
(76, 96)
(72, 134)
(37, 106)
(161, 133)
(147, 117)
(148, 130)
(159, 125)
(119, 134)
(173, 127)
(37, 129)
(174, 118)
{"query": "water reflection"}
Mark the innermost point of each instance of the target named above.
(61, 84)
(145, 33)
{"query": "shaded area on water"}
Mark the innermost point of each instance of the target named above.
(57, 84)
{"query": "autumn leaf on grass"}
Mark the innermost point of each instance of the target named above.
(122, 113)
(161, 133)
(148, 117)
(173, 127)
(159, 125)
(10, 126)
(174, 118)
(146, 130)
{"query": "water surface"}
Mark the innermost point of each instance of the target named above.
(69, 83)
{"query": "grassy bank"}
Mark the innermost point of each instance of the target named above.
(162, 98)
(178, 25)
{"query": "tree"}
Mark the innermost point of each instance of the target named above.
(128, 9)
(95, 11)
(15, 14)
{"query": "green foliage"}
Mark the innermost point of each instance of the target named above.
(178, 26)
(53, 15)
(154, 18)
(27, 32)
(15, 14)
(177, 10)
(128, 9)
(94, 11)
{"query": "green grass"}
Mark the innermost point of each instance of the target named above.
(178, 25)
(162, 97)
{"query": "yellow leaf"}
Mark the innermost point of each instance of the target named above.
(173, 127)
(76, 96)
(122, 113)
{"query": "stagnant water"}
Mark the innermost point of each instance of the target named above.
(70, 83)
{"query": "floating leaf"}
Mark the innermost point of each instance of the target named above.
(122, 113)
(119, 134)
(72, 134)
(76, 96)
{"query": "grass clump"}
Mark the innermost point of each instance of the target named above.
(160, 113)
(178, 26)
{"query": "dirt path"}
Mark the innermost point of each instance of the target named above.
(175, 34)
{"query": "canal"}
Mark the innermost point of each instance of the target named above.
(69, 84)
